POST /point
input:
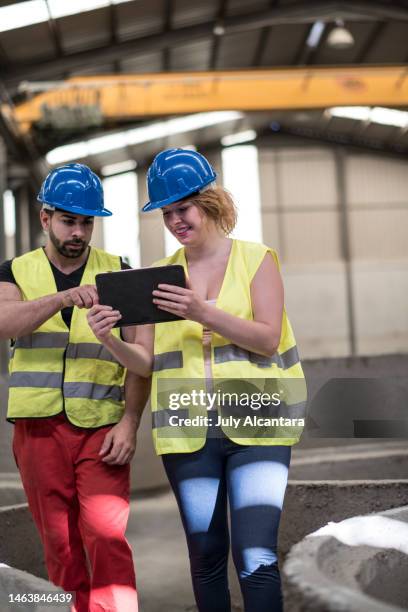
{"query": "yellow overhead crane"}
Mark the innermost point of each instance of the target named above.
(124, 97)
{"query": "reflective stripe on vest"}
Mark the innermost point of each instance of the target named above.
(53, 380)
(81, 350)
(42, 340)
(93, 391)
(232, 352)
(168, 361)
(49, 380)
(87, 350)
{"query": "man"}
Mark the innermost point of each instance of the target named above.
(74, 435)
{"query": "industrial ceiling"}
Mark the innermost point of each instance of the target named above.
(150, 37)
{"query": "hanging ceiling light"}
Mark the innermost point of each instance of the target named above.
(340, 37)
(219, 28)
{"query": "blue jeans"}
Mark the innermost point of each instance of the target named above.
(254, 479)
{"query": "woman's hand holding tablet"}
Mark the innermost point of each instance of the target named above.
(130, 293)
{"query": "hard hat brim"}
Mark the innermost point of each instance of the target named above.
(176, 197)
(77, 210)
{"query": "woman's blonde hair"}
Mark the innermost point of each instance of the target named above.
(217, 203)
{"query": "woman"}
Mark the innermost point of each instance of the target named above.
(234, 329)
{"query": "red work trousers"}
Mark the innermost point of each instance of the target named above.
(81, 507)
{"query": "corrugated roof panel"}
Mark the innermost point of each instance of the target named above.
(392, 44)
(148, 62)
(187, 13)
(30, 43)
(195, 56)
(283, 44)
(107, 68)
(85, 30)
(137, 19)
(235, 7)
(237, 50)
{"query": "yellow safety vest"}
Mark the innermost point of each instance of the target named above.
(179, 363)
(55, 368)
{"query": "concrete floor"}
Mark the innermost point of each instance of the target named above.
(161, 559)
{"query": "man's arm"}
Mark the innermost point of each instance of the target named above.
(18, 317)
(119, 444)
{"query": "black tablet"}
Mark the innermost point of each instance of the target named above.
(130, 292)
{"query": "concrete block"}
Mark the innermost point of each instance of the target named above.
(309, 504)
(354, 570)
(20, 544)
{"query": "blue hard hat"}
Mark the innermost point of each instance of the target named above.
(76, 189)
(176, 174)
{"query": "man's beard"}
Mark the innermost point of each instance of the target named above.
(64, 249)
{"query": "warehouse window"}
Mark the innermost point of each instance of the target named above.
(241, 178)
(31, 12)
(9, 222)
(121, 231)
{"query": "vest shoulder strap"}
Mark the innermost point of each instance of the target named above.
(253, 254)
(21, 261)
(104, 259)
(167, 261)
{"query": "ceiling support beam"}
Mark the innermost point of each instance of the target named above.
(220, 23)
(54, 32)
(168, 11)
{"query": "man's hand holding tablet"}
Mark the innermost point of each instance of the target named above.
(126, 298)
